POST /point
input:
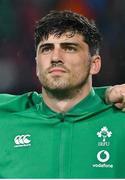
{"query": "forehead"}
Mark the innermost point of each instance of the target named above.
(67, 37)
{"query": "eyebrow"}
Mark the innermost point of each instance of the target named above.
(62, 44)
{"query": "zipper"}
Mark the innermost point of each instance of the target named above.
(65, 148)
(62, 152)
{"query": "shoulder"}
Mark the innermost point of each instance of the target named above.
(100, 91)
(9, 102)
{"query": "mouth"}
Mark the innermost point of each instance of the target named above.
(57, 70)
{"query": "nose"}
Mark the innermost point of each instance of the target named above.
(56, 55)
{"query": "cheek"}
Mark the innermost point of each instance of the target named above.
(37, 69)
(79, 65)
(81, 70)
(41, 65)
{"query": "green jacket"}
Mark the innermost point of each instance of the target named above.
(86, 142)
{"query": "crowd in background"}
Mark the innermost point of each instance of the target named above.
(17, 52)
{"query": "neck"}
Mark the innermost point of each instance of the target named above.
(64, 104)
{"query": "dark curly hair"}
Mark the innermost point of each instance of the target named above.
(60, 22)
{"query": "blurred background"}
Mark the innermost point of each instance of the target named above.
(17, 54)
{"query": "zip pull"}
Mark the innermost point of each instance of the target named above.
(62, 119)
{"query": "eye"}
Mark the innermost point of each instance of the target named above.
(70, 49)
(45, 50)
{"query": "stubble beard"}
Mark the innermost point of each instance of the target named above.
(64, 88)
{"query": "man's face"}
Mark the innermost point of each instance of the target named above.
(63, 63)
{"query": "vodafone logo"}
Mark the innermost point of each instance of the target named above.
(103, 156)
(22, 140)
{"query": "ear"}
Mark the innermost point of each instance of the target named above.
(95, 64)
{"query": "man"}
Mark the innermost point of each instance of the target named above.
(68, 131)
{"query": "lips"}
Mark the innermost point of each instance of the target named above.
(57, 69)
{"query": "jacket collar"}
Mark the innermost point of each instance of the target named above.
(86, 107)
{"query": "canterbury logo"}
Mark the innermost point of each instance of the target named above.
(22, 140)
